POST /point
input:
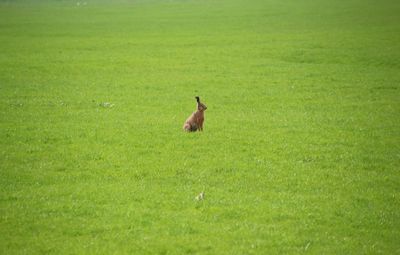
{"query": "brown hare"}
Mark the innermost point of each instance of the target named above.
(196, 120)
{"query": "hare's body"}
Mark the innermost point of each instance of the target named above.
(196, 120)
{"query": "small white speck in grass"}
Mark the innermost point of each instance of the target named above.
(106, 105)
(200, 196)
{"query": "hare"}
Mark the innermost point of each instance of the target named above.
(196, 120)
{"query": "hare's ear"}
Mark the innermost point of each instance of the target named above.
(197, 99)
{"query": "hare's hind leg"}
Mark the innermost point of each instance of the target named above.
(194, 127)
(189, 127)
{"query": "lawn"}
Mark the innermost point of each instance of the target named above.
(300, 151)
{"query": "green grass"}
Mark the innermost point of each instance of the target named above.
(301, 147)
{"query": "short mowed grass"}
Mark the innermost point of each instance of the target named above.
(301, 146)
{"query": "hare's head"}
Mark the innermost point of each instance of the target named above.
(200, 106)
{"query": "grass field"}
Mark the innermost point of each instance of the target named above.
(301, 146)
